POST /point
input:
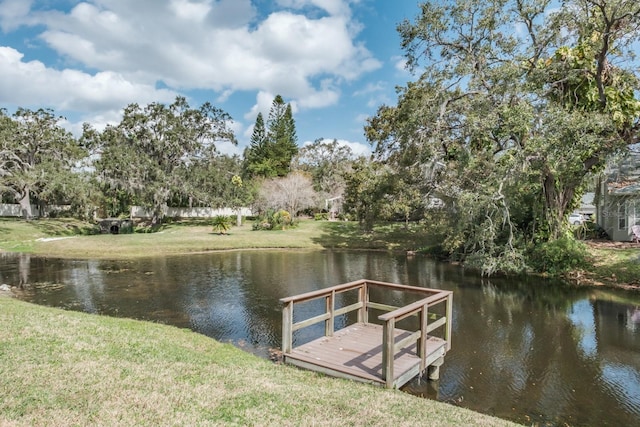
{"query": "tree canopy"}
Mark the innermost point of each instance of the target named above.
(327, 162)
(37, 158)
(148, 154)
(515, 104)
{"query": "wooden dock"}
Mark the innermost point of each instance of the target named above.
(378, 353)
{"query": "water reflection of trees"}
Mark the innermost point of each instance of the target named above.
(519, 340)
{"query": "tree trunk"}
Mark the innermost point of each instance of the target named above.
(157, 216)
(556, 203)
(25, 203)
(239, 217)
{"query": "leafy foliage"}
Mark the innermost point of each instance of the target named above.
(505, 127)
(558, 256)
(367, 184)
(274, 220)
(326, 162)
(147, 154)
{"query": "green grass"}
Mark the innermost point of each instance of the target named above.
(198, 236)
(615, 266)
(68, 368)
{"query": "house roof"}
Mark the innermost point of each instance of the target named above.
(627, 190)
(623, 177)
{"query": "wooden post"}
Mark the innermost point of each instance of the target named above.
(287, 326)
(363, 297)
(449, 314)
(387, 351)
(422, 342)
(330, 308)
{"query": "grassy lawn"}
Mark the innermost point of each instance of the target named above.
(614, 265)
(69, 368)
(60, 238)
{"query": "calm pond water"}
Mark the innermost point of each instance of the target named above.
(531, 351)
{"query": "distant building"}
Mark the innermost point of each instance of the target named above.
(587, 205)
(619, 206)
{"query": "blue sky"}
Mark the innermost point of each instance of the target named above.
(335, 61)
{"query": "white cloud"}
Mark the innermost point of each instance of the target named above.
(332, 7)
(211, 45)
(33, 84)
(262, 105)
(371, 87)
(190, 11)
(14, 13)
(100, 55)
(400, 64)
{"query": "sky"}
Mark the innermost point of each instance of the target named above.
(334, 61)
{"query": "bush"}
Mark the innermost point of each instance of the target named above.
(558, 256)
(262, 224)
(590, 230)
(221, 224)
(322, 216)
(280, 219)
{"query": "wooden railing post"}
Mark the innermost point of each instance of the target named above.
(363, 298)
(387, 351)
(330, 308)
(422, 342)
(449, 314)
(287, 327)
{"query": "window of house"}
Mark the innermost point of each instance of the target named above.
(622, 216)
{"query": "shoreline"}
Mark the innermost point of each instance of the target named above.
(615, 264)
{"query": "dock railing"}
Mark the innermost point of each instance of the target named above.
(428, 321)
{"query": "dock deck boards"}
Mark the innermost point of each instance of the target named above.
(355, 352)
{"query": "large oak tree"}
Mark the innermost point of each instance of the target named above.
(37, 158)
(147, 155)
(515, 103)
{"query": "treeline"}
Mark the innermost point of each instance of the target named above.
(166, 155)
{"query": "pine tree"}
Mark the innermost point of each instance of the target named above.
(257, 156)
(272, 148)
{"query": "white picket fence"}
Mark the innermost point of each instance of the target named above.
(184, 212)
(14, 210)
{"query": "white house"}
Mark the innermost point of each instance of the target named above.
(619, 206)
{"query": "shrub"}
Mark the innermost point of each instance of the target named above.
(589, 230)
(221, 224)
(262, 224)
(282, 219)
(558, 256)
(322, 216)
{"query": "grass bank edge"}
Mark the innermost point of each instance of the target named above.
(71, 368)
(607, 267)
